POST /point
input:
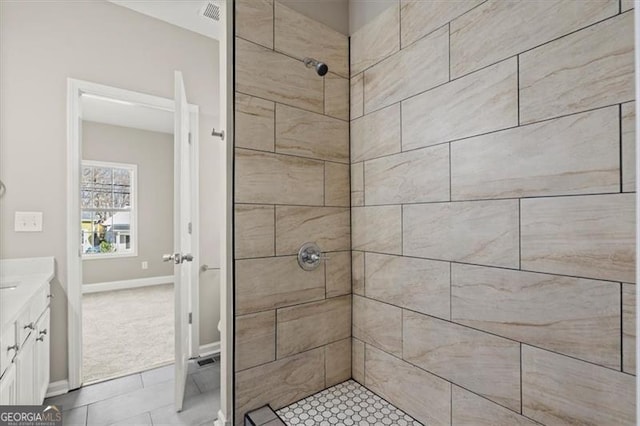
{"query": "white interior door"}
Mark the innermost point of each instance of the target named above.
(182, 257)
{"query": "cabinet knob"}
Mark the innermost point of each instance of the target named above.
(12, 348)
(43, 331)
(29, 326)
(40, 339)
(49, 296)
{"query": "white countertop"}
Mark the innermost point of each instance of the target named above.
(30, 274)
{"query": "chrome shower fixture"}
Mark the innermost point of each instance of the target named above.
(321, 67)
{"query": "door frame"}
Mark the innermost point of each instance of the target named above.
(75, 89)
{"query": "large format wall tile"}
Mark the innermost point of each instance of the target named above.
(338, 362)
(307, 326)
(262, 177)
(557, 390)
(312, 135)
(357, 272)
(422, 395)
(574, 316)
(255, 339)
(281, 382)
(483, 232)
(585, 236)
(540, 159)
(499, 29)
(377, 229)
(376, 40)
(588, 69)
(629, 147)
(629, 328)
(357, 360)
(254, 21)
(327, 226)
(420, 17)
(469, 409)
(419, 67)
(336, 96)
(417, 284)
(336, 185)
(255, 122)
(376, 135)
(480, 362)
(271, 75)
(478, 103)
(303, 37)
(338, 273)
(357, 184)
(270, 283)
(356, 96)
(254, 231)
(626, 5)
(377, 324)
(409, 177)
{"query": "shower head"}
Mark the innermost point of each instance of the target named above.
(321, 67)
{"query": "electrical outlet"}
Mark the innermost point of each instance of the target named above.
(145, 265)
(28, 222)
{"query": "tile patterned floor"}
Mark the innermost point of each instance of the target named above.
(348, 403)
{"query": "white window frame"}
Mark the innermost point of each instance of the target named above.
(134, 210)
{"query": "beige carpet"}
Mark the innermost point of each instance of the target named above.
(126, 331)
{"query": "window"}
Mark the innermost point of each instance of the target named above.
(108, 209)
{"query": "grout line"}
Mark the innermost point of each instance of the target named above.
(518, 87)
(317, 160)
(450, 291)
(620, 145)
(401, 229)
(622, 327)
(449, 50)
(275, 231)
(520, 378)
(520, 233)
(450, 173)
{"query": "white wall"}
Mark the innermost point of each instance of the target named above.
(41, 45)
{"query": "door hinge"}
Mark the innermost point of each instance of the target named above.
(190, 227)
(189, 138)
(190, 318)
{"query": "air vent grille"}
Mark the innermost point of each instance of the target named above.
(211, 11)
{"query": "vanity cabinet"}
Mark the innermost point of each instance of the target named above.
(9, 387)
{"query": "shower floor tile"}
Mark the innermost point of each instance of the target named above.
(348, 403)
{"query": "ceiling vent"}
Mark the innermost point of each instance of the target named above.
(211, 10)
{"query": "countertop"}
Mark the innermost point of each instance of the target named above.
(30, 274)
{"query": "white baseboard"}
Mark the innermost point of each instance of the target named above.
(121, 285)
(57, 388)
(209, 349)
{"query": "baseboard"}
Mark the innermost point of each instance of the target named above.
(57, 388)
(209, 349)
(124, 284)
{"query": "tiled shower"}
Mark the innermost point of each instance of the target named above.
(488, 236)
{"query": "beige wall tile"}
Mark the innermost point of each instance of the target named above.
(422, 395)
(470, 409)
(417, 284)
(303, 37)
(419, 67)
(376, 134)
(540, 159)
(478, 103)
(311, 135)
(626, 5)
(484, 232)
(585, 236)
(254, 21)
(327, 226)
(629, 328)
(376, 40)
(338, 362)
(377, 229)
(420, 17)
(485, 364)
(409, 177)
(629, 147)
(573, 316)
(561, 390)
(338, 273)
(255, 336)
(356, 96)
(263, 284)
(336, 96)
(357, 272)
(336, 184)
(357, 360)
(280, 383)
(588, 69)
(378, 324)
(254, 231)
(277, 77)
(262, 177)
(255, 123)
(307, 326)
(357, 184)
(499, 29)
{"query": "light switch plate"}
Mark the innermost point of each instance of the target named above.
(28, 222)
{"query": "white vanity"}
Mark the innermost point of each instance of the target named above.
(24, 329)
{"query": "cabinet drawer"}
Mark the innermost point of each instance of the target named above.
(7, 340)
(24, 326)
(40, 303)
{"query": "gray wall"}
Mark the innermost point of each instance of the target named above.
(152, 152)
(332, 13)
(361, 12)
(41, 45)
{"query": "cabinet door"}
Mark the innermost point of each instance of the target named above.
(42, 357)
(25, 373)
(8, 386)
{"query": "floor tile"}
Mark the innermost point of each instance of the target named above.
(143, 419)
(208, 378)
(197, 410)
(158, 375)
(75, 417)
(97, 392)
